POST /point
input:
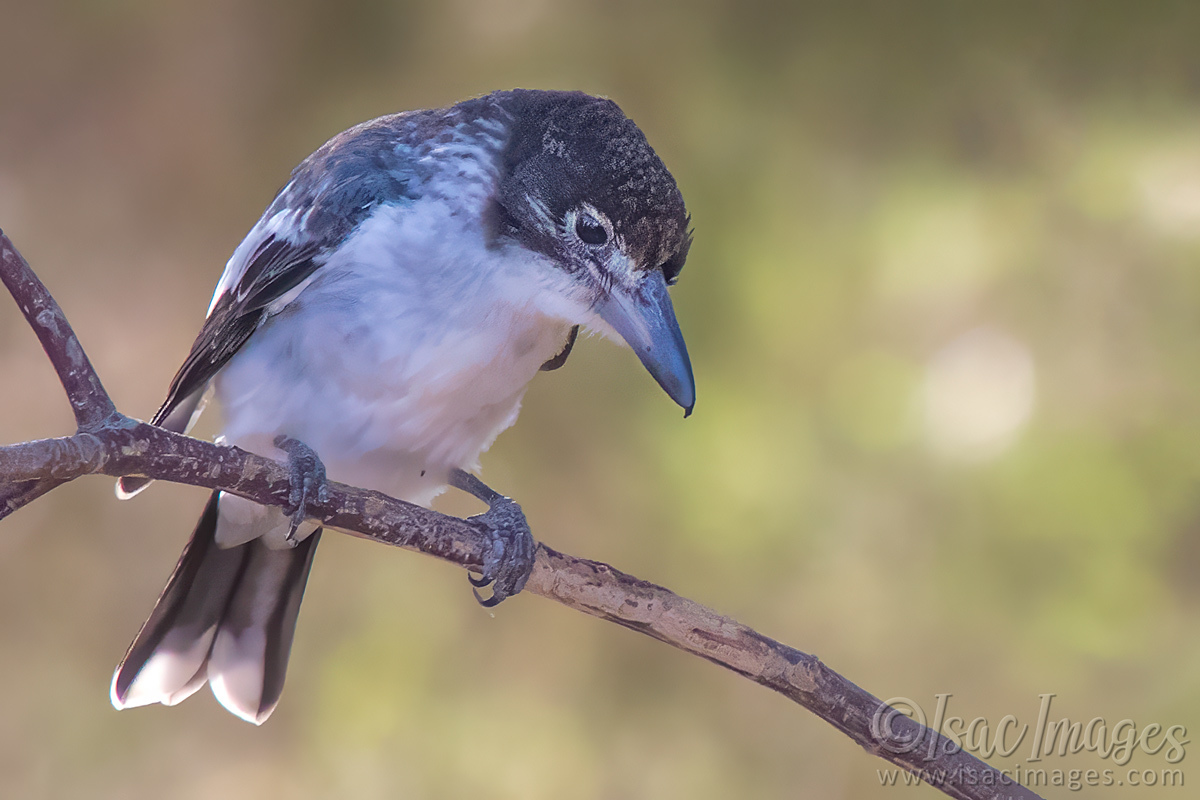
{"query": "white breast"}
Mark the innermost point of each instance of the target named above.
(404, 356)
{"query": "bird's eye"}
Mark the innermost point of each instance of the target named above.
(590, 230)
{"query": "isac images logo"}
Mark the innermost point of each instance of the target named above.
(1040, 744)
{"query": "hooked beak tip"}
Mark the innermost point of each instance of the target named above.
(646, 321)
(674, 375)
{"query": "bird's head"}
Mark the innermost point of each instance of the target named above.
(582, 186)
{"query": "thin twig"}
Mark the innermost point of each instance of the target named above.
(109, 443)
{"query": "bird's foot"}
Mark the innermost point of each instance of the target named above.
(508, 564)
(308, 481)
(509, 561)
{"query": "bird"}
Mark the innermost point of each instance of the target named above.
(380, 324)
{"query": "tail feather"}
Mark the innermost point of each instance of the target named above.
(227, 616)
(249, 656)
(178, 418)
(131, 485)
(172, 647)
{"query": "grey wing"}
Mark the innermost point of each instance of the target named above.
(276, 267)
(330, 193)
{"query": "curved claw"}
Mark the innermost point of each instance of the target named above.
(487, 602)
(481, 582)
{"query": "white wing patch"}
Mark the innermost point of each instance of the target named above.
(286, 225)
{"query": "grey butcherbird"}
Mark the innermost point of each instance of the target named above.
(388, 311)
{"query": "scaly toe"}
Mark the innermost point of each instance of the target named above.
(308, 483)
(508, 565)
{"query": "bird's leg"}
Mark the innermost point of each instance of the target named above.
(308, 482)
(508, 564)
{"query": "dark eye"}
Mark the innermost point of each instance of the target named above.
(589, 230)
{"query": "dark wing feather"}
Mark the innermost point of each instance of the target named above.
(331, 192)
(277, 267)
(274, 269)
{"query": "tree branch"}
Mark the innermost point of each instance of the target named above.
(109, 443)
(89, 402)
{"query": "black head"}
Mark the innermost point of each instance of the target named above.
(579, 177)
(581, 185)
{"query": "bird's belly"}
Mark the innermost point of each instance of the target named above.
(385, 408)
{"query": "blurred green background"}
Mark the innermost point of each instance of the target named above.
(943, 310)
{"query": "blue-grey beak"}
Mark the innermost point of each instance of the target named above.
(646, 320)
